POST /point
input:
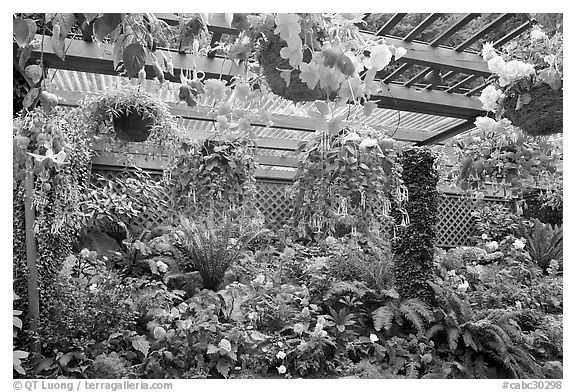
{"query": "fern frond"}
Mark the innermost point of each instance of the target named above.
(411, 310)
(340, 288)
(453, 338)
(480, 367)
(382, 318)
(434, 330)
(469, 340)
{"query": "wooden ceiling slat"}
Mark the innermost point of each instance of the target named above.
(447, 134)
(390, 24)
(422, 26)
(485, 30)
(461, 83)
(513, 34)
(397, 72)
(453, 29)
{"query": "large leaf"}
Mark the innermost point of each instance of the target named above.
(382, 318)
(122, 41)
(134, 58)
(58, 47)
(105, 25)
(65, 21)
(24, 30)
(30, 98)
(24, 56)
(141, 344)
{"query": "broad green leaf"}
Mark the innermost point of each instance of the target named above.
(91, 17)
(134, 58)
(17, 322)
(58, 47)
(24, 30)
(322, 107)
(285, 74)
(34, 72)
(105, 25)
(223, 367)
(65, 21)
(141, 344)
(30, 98)
(24, 56)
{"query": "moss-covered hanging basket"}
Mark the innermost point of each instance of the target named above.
(132, 126)
(271, 63)
(542, 115)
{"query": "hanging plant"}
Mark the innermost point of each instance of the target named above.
(345, 183)
(306, 57)
(214, 176)
(527, 85)
(132, 114)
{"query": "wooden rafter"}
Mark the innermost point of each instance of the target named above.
(453, 29)
(447, 134)
(397, 72)
(422, 26)
(461, 83)
(485, 30)
(390, 24)
(513, 34)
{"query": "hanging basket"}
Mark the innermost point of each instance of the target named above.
(132, 126)
(539, 117)
(271, 63)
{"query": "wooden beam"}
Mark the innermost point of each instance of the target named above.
(447, 134)
(433, 102)
(439, 57)
(90, 57)
(397, 72)
(513, 34)
(390, 24)
(422, 26)
(461, 83)
(485, 30)
(281, 121)
(453, 29)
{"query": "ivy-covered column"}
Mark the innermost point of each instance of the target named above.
(413, 246)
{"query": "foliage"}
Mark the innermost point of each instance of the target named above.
(543, 242)
(214, 175)
(290, 49)
(478, 339)
(547, 207)
(508, 161)
(345, 182)
(493, 222)
(212, 247)
(120, 201)
(103, 110)
(59, 153)
(413, 245)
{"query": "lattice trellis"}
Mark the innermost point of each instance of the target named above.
(274, 202)
(455, 222)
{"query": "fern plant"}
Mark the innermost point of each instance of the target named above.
(544, 243)
(478, 340)
(212, 247)
(412, 310)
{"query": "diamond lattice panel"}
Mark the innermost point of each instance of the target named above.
(274, 203)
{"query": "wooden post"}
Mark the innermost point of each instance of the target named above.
(31, 253)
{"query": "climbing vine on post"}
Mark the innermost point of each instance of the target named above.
(413, 245)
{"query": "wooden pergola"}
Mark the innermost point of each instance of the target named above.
(435, 112)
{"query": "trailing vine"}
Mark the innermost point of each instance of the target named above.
(345, 183)
(414, 246)
(61, 154)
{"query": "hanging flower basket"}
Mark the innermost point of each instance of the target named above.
(272, 63)
(535, 108)
(135, 115)
(132, 126)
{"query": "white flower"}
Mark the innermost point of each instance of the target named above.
(281, 369)
(495, 64)
(399, 52)
(537, 34)
(232, 241)
(368, 142)
(85, 252)
(490, 125)
(373, 338)
(492, 246)
(519, 244)
(93, 287)
(451, 273)
(514, 70)
(462, 287)
(484, 236)
(489, 98)
(380, 57)
(259, 279)
(353, 136)
(225, 344)
(281, 355)
(488, 51)
(280, 344)
(162, 266)
(298, 328)
(321, 320)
